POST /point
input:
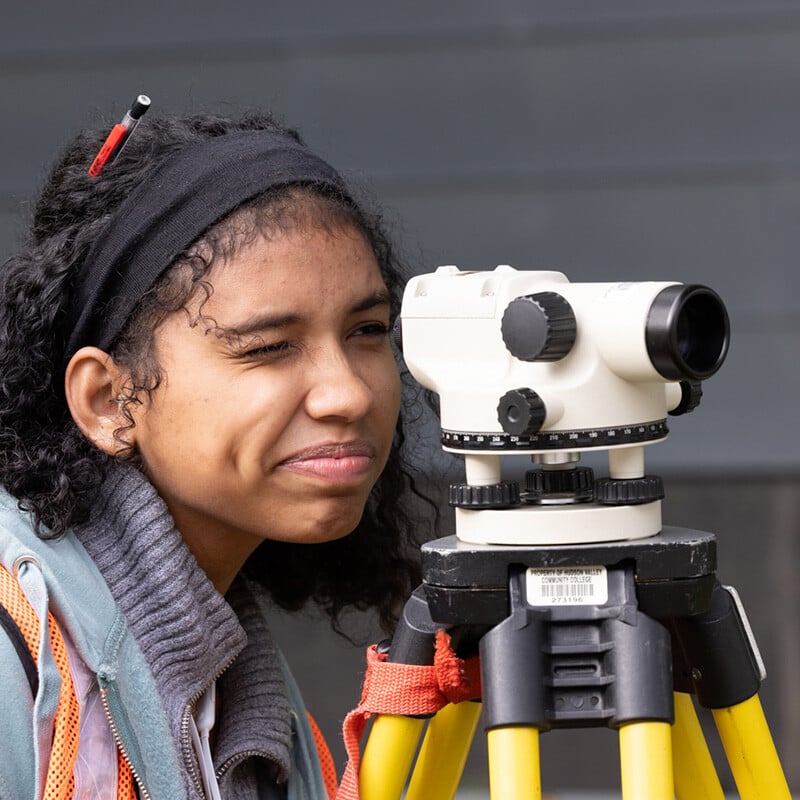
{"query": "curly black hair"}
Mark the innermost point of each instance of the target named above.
(55, 472)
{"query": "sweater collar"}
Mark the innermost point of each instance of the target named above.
(188, 632)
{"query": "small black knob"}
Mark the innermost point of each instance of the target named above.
(521, 412)
(691, 395)
(496, 495)
(628, 491)
(539, 327)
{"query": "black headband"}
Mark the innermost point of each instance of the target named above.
(188, 193)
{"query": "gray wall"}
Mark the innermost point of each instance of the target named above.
(621, 140)
(617, 140)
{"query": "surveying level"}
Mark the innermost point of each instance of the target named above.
(582, 608)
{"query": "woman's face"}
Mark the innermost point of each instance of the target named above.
(278, 408)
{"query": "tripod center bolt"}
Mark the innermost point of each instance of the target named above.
(629, 491)
(521, 412)
(539, 327)
(498, 495)
(562, 486)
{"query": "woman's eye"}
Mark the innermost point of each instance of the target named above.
(376, 329)
(267, 350)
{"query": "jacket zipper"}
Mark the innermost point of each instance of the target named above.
(145, 795)
(186, 745)
(186, 748)
(233, 760)
(239, 757)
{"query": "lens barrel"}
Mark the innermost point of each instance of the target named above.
(687, 332)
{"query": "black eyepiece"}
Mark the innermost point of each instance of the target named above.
(687, 332)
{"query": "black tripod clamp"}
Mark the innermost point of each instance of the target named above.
(584, 665)
(663, 622)
(715, 655)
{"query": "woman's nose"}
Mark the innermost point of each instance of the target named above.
(337, 389)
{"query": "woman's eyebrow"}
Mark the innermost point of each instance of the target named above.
(378, 298)
(272, 321)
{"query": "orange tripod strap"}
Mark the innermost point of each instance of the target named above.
(406, 690)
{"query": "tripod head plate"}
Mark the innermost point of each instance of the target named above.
(547, 525)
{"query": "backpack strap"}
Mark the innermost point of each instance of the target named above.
(59, 781)
(18, 641)
(326, 762)
(20, 621)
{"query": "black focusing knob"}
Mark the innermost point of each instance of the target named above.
(521, 412)
(628, 491)
(691, 395)
(496, 495)
(539, 327)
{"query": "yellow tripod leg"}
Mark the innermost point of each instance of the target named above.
(445, 747)
(514, 763)
(693, 769)
(646, 761)
(387, 758)
(750, 750)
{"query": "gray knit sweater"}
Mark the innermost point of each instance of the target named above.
(190, 634)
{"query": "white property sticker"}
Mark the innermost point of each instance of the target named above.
(567, 586)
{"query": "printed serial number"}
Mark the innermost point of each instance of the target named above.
(566, 586)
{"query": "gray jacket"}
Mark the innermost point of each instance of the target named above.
(61, 576)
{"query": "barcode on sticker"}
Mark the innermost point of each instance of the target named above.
(567, 586)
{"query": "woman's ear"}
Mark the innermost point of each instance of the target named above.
(92, 385)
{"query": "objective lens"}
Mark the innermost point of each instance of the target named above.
(687, 332)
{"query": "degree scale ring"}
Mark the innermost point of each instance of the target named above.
(640, 433)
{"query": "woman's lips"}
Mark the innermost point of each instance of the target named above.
(346, 462)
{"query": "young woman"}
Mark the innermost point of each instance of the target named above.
(198, 417)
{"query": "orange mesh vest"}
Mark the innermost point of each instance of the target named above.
(59, 783)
